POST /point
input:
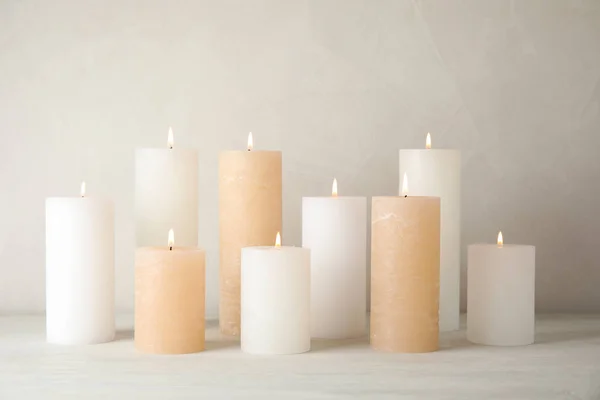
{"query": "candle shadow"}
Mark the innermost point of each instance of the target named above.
(123, 335)
(214, 345)
(328, 345)
(567, 336)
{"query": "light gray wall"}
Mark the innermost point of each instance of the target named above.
(339, 86)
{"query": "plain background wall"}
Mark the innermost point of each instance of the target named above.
(338, 86)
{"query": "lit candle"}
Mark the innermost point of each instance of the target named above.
(275, 299)
(335, 230)
(501, 294)
(405, 268)
(80, 275)
(436, 172)
(249, 215)
(169, 299)
(166, 194)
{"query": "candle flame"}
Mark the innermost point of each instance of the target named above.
(428, 141)
(278, 240)
(170, 138)
(250, 142)
(82, 191)
(500, 240)
(405, 185)
(171, 240)
(334, 188)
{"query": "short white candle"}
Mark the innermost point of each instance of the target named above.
(166, 194)
(436, 172)
(80, 275)
(275, 300)
(501, 294)
(335, 230)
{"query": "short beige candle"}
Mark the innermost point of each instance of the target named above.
(169, 300)
(249, 215)
(405, 274)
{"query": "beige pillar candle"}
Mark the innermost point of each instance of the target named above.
(169, 299)
(249, 215)
(405, 274)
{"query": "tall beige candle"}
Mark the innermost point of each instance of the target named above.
(405, 274)
(249, 215)
(169, 300)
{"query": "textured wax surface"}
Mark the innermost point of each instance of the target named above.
(249, 215)
(337, 86)
(561, 365)
(169, 300)
(405, 274)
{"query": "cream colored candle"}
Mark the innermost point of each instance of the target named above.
(166, 194)
(405, 274)
(249, 215)
(80, 270)
(501, 294)
(275, 299)
(169, 299)
(436, 172)
(335, 230)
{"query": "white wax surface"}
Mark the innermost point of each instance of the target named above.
(335, 231)
(275, 300)
(501, 295)
(436, 172)
(80, 280)
(166, 196)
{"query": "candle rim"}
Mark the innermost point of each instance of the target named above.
(433, 149)
(176, 249)
(174, 149)
(249, 152)
(503, 246)
(409, 196)
(335, 197)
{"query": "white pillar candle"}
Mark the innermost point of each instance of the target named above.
(275, 300)
(436, 172)
(335, 230)
(80, 281)
(501, 294)
(166, 195)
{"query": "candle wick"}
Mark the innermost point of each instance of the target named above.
(170, 248)
(405, 196)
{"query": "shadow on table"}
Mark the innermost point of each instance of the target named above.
(327, 345)
(123, 334)
(565, 336)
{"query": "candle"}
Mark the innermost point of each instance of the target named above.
(501, 294)
(169, 299)
(436, 172)
(275, 299)
(166, 194)
(335, 230)
(405, 267)
(249, 215)
(80, 275)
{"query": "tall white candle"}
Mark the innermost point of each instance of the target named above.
(436, 172)
(80, 282)
(335, 230)
(275, 300)
(501, 294)
(166, 194)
